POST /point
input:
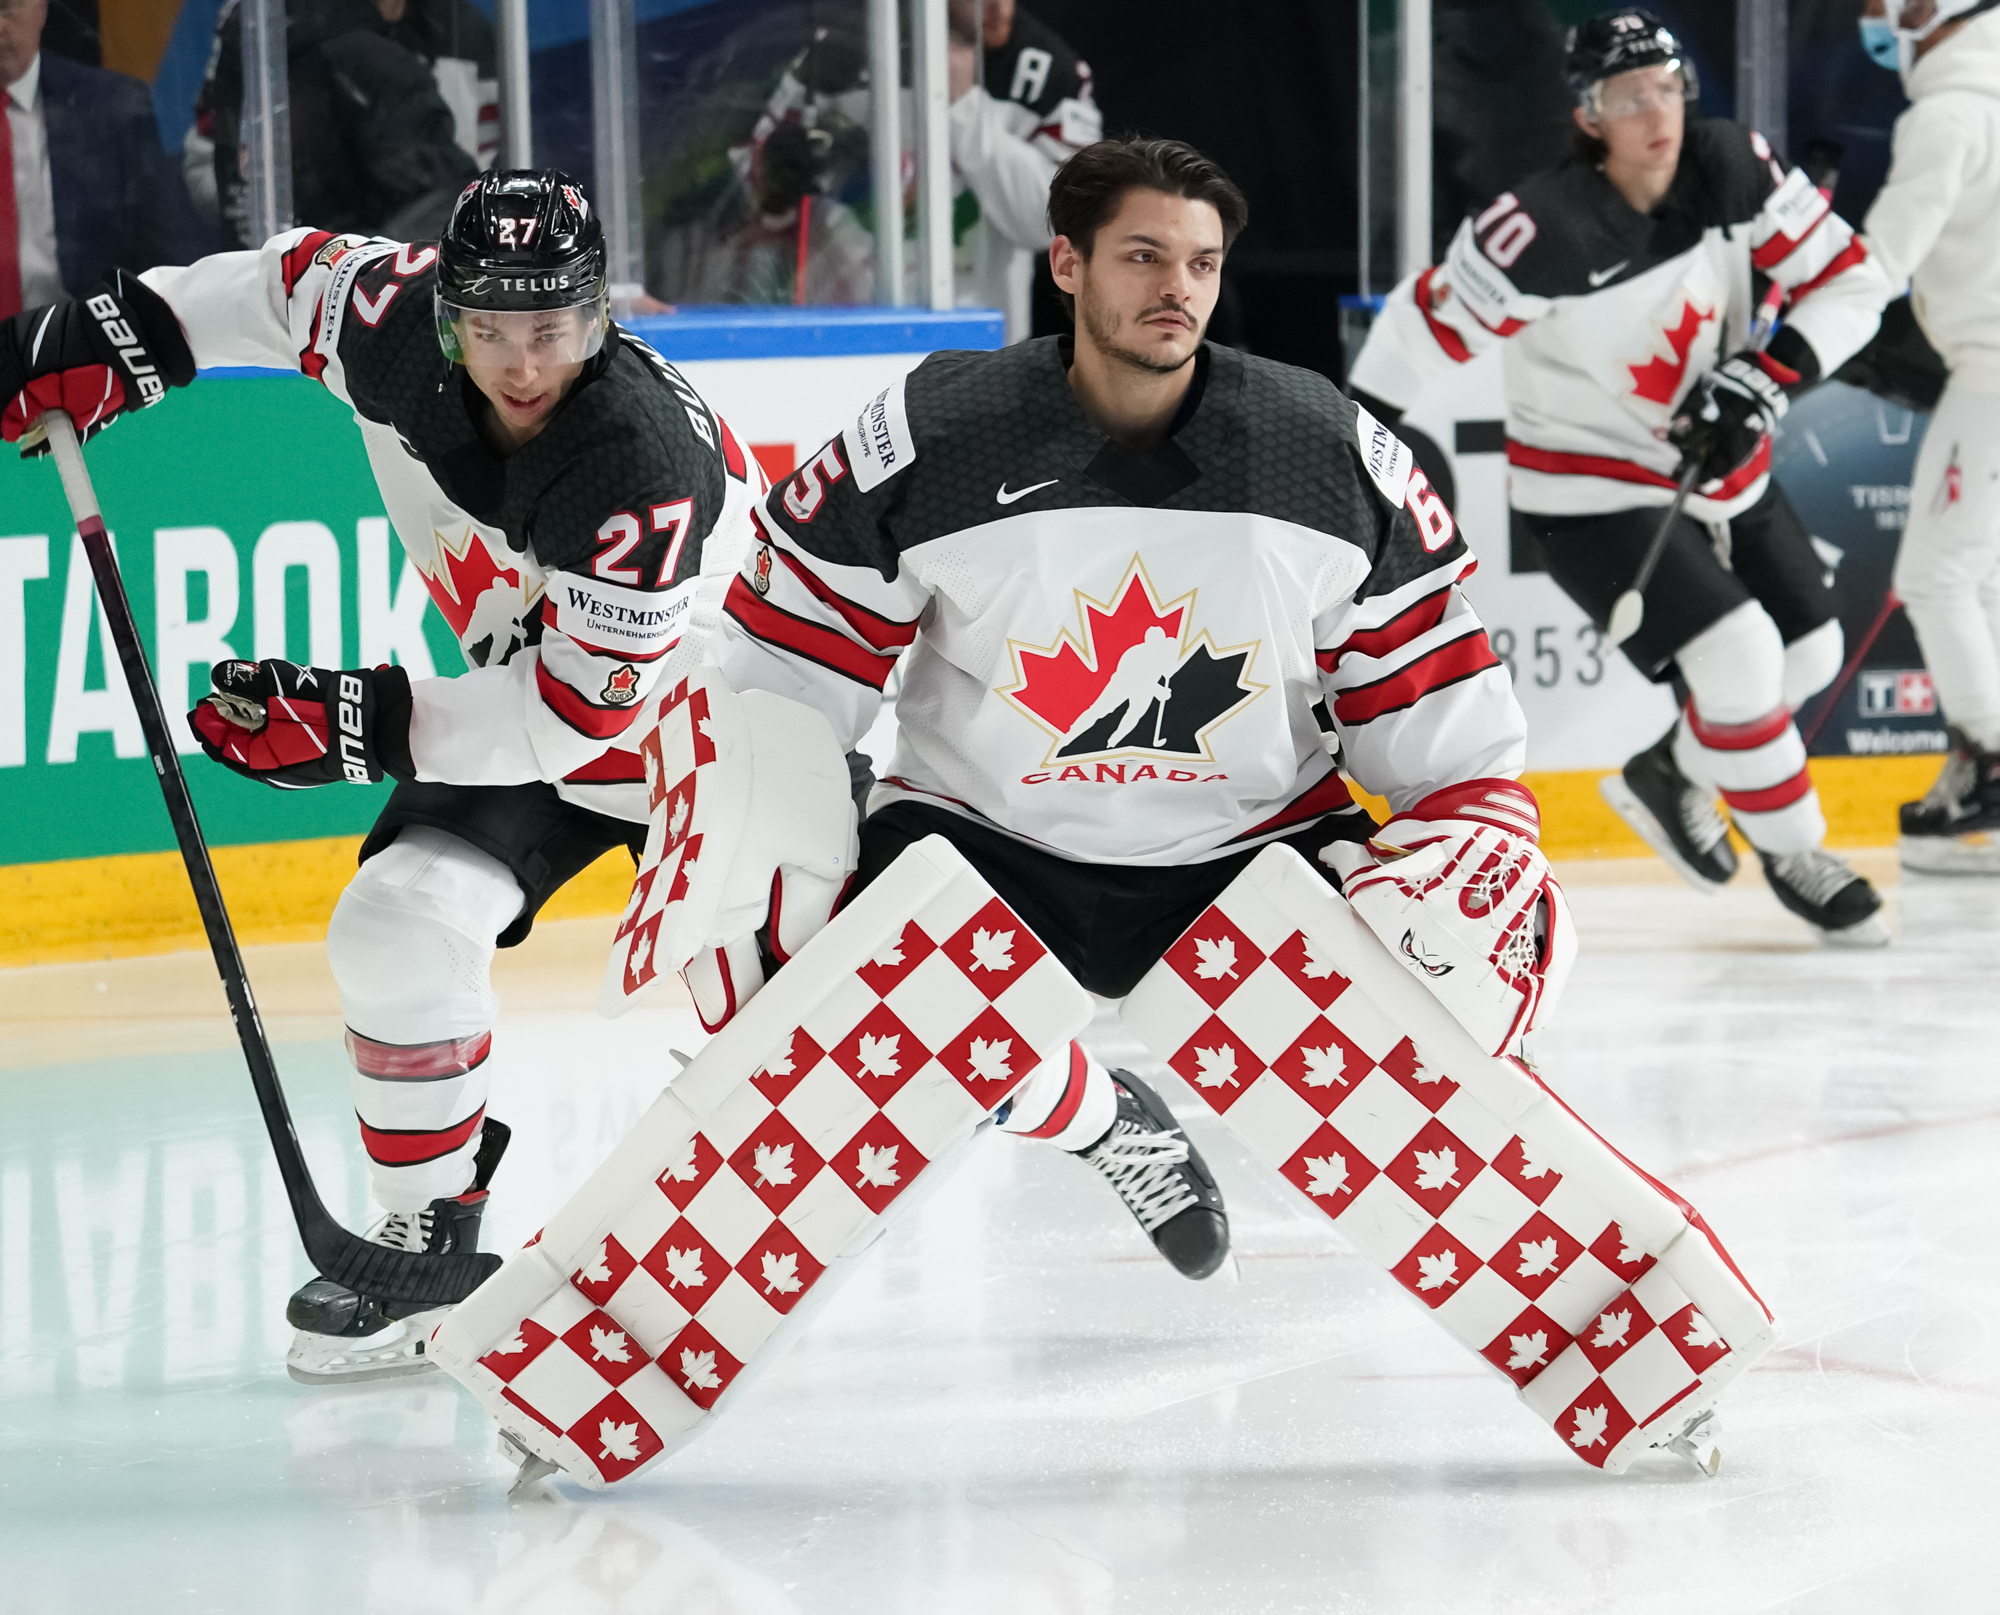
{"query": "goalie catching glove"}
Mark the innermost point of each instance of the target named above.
(1457, 890)
(295, 727)
(92, 357)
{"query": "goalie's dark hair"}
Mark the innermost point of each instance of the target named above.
(1087, 190)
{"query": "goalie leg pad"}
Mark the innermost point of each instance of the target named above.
(692, 1256)
(1597, 1291)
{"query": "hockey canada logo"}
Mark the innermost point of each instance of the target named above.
(622, 688)
(1139, 680)
(760, 572)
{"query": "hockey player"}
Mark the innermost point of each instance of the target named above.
(1143, 585)
(1935, 227)
(554, 481)
(1623, 284)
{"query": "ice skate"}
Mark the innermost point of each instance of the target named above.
(1677, 818)
(1955, 829)
(1827, 895)
(347, 1338)
(1162, 1180)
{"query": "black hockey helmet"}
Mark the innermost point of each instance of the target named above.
(1615, 42)
(522, 241)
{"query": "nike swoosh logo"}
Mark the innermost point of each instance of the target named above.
(1597, 277)
(1003, 497)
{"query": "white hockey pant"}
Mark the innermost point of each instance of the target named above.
(1948, 569)
(1737, 735)
(410, 943)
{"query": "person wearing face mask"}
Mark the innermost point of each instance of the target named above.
(1626, 284)
(1935, 229)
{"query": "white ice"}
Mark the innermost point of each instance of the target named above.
(1016, 1407)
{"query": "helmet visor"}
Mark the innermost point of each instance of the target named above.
(1641, 90)
(498, 339)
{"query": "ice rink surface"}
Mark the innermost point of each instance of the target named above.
(1015, 1406)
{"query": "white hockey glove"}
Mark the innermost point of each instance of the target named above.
(1457, 889)
(753, 829)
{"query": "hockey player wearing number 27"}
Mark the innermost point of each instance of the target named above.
(555, 482)
(1623, 285)
(1147, 587)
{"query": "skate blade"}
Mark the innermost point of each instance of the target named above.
(1872, 932)
(1974, 854)
(1639, 817)
(336, 1360)
(530, 1467)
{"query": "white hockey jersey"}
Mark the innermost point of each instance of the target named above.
(567, 569)
(1610, 315)
(1119, 655)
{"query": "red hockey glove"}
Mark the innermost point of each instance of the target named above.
(92, 357)
(294, 727)
(1729, 413)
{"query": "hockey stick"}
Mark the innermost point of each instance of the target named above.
(1629, 613)
(1833, 695)
(347, 1259)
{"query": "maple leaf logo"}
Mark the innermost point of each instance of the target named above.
(774, 1164)
(993, 950)
(990, 1059)
(642, 950)
(1659, 380)
(1701, 1333)
(1438, 1270)
(779, 1065)
(1437, 1169)
(1419, 1072)
(1589, 1430)
(1612, 1327)
(704, 724)
(1325, 1067)
(1528, 1350)
(1317, 966)
(698, 1370)
(1630, 1251)
(683, 1169)
(1327, 1175)
(684, 1268)
(599, 1271)
(618, 1443)
(1217, 958)
(677, 815)
(652, 763)
(1538, 1256)
(890, 954)
(877, 1055)
(1216, 1068)
(1532, 1168)
(514, 1343)
(609, 1345)
(876, 1168)
(781, 1273)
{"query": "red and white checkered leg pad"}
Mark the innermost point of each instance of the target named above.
(743, 1196)
(1592, 1287)
(694, 809)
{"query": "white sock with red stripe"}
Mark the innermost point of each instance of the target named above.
(1737, 736)
(410, 944)
(1069, 1101)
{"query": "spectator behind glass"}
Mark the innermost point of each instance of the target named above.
(84, 185)
(375, 145)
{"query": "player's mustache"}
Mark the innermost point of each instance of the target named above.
(1168, 308)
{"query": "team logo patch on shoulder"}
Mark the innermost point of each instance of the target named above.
(338, 248)
(622, 688)
(879, 443)
(760, 570)
(1386, 456)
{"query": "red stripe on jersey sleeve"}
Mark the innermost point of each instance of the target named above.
(1462, 658)
(1448, 339)
(600, 723)
(297, 261)
(880, 632)
(830, 650)
(615, 767)
(1856, 251)
(401, 1146)
(1780, 247)
(1393, 635)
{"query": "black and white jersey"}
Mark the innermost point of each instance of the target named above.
(567, 569)
(1611, 315)
(1114, 654)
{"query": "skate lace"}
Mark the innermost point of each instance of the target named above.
(1702, 818)
(1955, 782)
(1815, 874)
(1140, 1166)
(404, 1230)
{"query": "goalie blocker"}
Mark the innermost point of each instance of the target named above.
(693, 1255)
(1595, 1289)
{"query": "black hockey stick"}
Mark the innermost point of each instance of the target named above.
(1629, 612)
(347, 1259)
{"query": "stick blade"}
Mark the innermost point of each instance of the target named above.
(393, 1275)
(1626, 617)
